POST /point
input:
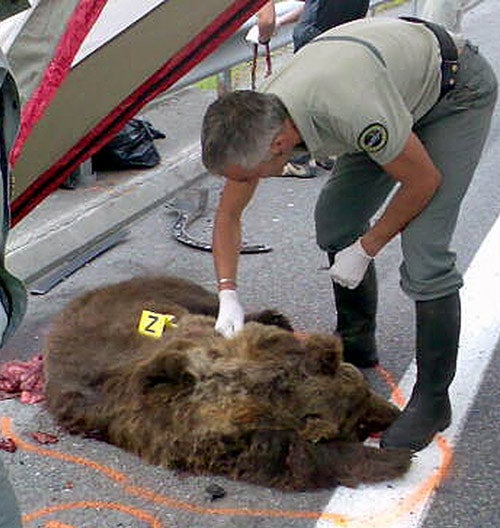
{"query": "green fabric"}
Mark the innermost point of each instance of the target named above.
(33, 49)
(12, 287)
(454, 133)
(13, 293)
(18, 302)
(362, 91)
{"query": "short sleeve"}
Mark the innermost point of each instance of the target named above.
(378, 124)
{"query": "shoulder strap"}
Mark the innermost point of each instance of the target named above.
(364, 43)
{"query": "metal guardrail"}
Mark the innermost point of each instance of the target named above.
(236, 50)
(375, 4)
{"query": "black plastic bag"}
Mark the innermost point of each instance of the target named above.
(131, 148)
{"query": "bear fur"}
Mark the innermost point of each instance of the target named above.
(265, 406)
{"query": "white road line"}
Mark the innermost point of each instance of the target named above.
(404, 503)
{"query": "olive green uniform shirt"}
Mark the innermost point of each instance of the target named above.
(362, 91)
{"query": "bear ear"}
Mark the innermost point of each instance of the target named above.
(166, 368)
(263, 343)
(323, 354)
(270, 318)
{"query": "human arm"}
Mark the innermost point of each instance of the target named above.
(419, 180)
(226, 245)
(266, 22)
(291, 17)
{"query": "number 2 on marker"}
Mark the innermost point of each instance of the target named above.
(151, 324)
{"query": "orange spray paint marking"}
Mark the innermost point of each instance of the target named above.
(422, 492)
(414, 499)
(6, 428)
(335, 519)
(6, 424)
(397, 395)
(86, 505)
(377, 520)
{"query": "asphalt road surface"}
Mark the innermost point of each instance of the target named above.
(82, 483)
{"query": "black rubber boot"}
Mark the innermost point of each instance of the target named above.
(356, 318)
(429, 408)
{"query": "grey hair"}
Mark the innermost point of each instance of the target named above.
(239, 128)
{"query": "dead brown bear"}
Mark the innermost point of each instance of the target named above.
(265, 406)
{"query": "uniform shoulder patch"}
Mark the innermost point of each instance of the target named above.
(373, 138)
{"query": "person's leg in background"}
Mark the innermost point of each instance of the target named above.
(348, 201)
(454, 133)
(447, 13)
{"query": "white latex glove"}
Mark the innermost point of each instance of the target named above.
(253, 35)
(230, 318)
(350, 265)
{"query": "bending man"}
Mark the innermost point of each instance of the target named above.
(391, 99)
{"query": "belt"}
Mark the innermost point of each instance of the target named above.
(449, 54)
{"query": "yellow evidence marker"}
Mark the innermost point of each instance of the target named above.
(153, 324)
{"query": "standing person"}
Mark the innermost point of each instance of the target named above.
(313, 17)
(321, 15)
(399, 104)
(12, 292)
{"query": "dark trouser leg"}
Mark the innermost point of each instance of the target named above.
(356, 319)
(429, 408)
(454, 133)
(356, 190)
(349, 199)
